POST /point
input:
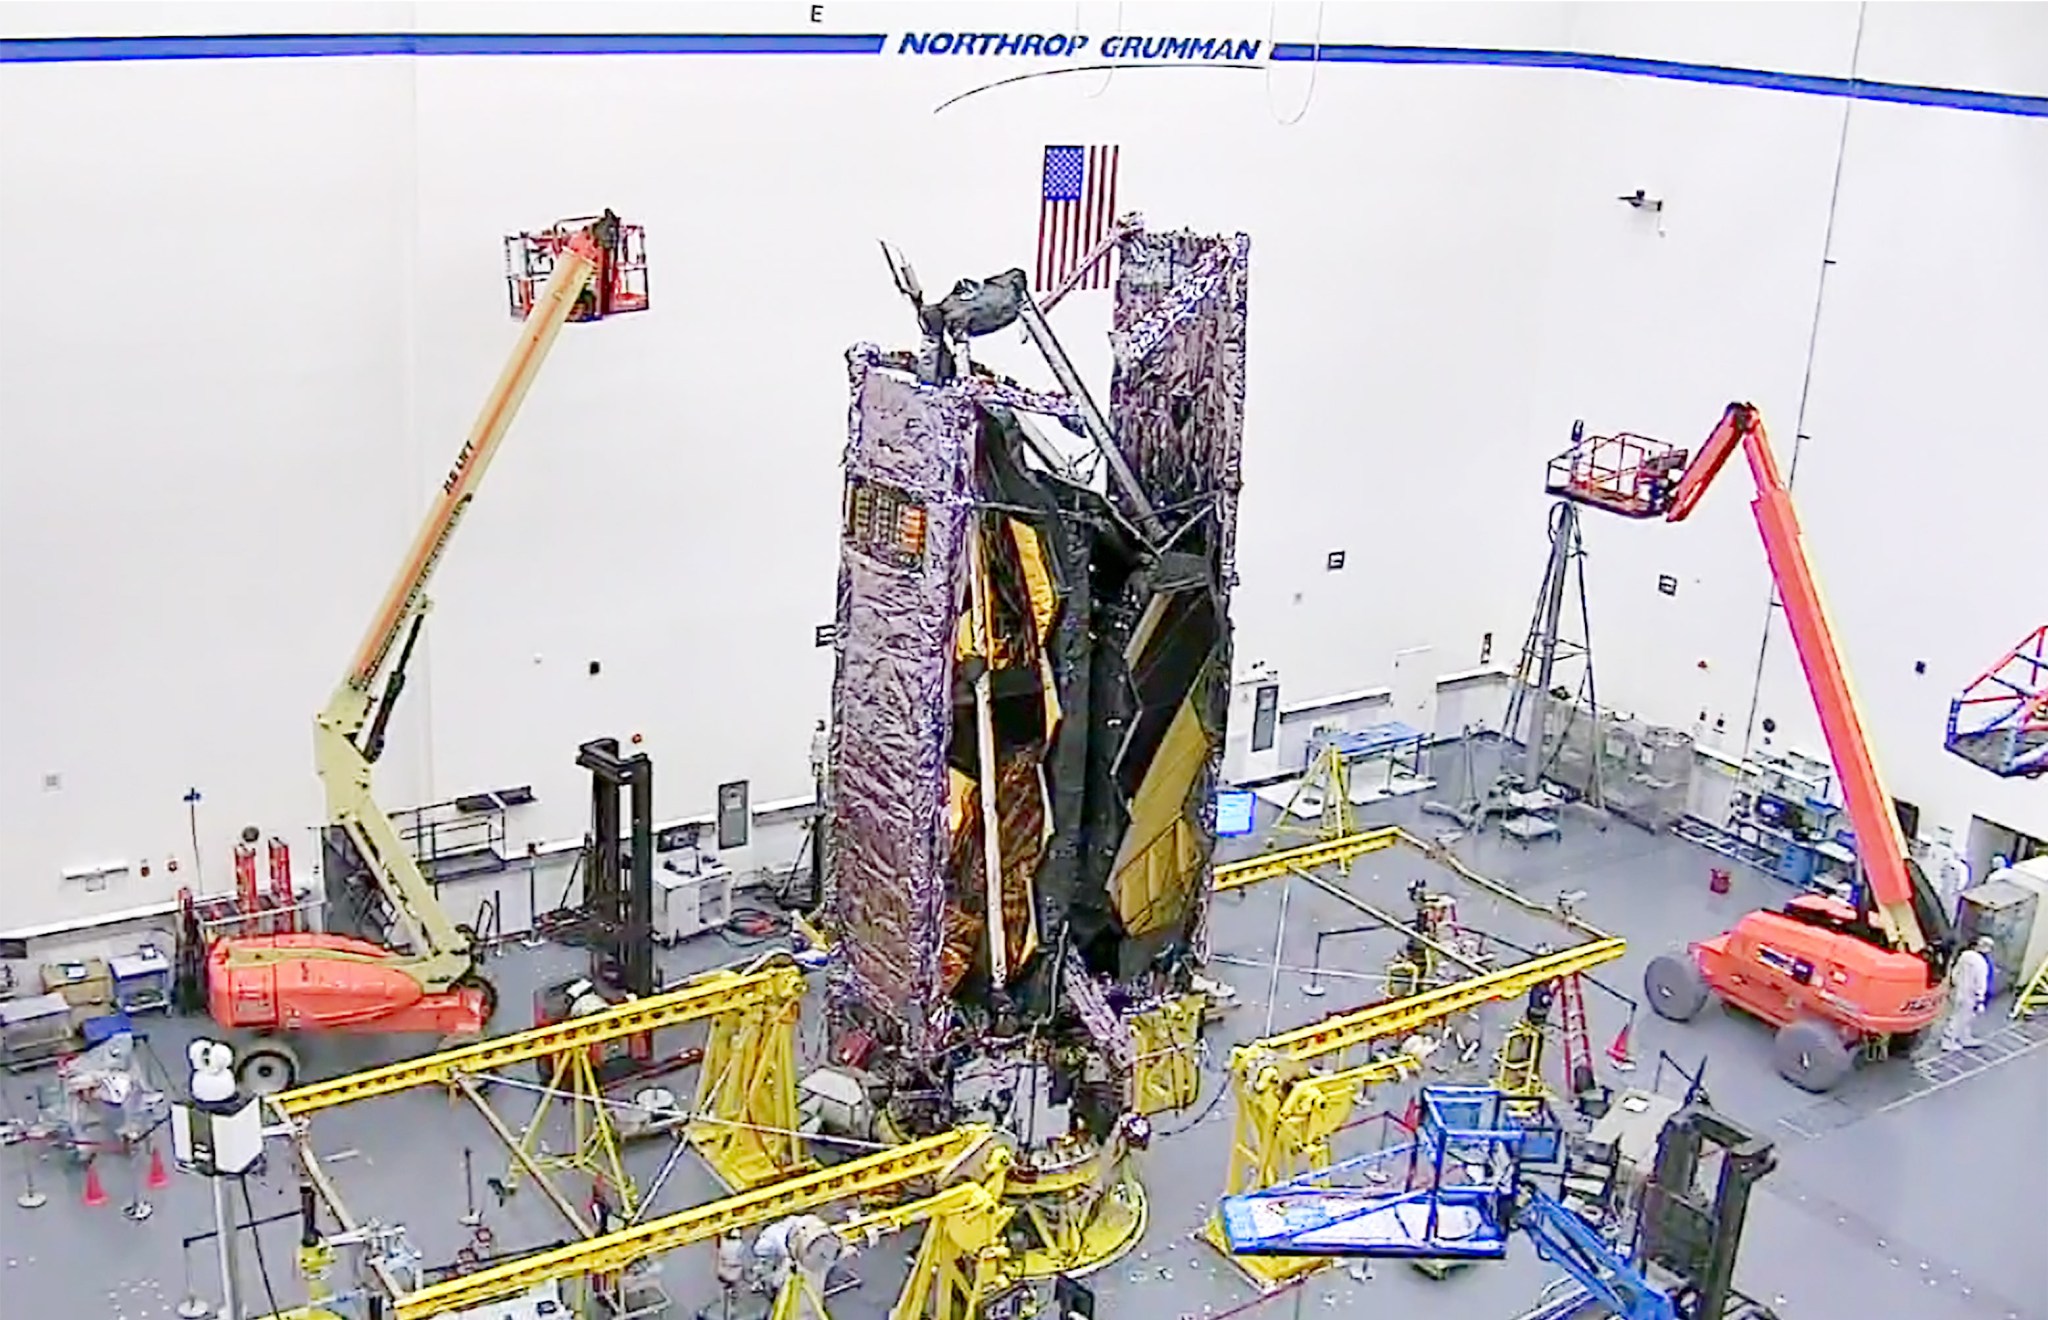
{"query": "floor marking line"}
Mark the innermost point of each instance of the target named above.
(1946, 1082)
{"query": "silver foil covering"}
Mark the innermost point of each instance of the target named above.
(886, 771)
(1180, 337)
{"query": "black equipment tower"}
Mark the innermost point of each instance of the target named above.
(618, 872)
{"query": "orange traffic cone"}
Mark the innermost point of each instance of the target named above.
(1617, 1053)
(159, 1178)
(94, 1193)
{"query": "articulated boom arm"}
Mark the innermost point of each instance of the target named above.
(408, 590)
(344, 763)
(1880, 843)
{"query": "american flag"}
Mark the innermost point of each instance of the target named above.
(1076, 209)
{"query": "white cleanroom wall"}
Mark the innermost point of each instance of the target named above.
(259, 299)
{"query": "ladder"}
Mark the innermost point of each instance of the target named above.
(1544, 647)
(1578, 1042)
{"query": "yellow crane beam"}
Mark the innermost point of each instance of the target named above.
(891, 1171)
(710, 996)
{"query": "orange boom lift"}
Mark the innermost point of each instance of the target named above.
(1838, 979)
(311, 981)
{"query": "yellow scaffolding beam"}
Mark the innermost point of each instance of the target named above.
(940, 1158)
(1344, 851)
(1377, 1022)
(708, 996)
(1327, 852)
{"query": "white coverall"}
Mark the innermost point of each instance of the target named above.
(1969, 988)
(773, 1256)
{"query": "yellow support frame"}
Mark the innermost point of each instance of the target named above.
(2033, 995)
(944, 1157)
(1344, 851)
(595, 1146)
(1165, 1074)
(959, 1266)
(745, 1121)
(716, 995)
(1287, 1110)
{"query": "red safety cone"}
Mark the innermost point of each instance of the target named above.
(95, 1195)
(1411, 1117)
(159, 1177)
(1617, 1052)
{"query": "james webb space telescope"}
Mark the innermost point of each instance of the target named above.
(1032, 674)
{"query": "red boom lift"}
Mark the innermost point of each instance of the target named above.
(1837, 979)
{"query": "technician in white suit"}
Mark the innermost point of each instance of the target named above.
(1970, 989)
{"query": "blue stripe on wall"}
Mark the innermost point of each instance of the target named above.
(1949, 98)
(73, 50)
(93, 50)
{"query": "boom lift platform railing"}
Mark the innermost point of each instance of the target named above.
(1452, 1189)
(2000, 721)
(618, 285)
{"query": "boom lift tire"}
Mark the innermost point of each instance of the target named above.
(477, 981)
(267, 1068)
(1811, 1055)
(1675, 987)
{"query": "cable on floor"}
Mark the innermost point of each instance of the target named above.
(750, 926)
(256, 1238)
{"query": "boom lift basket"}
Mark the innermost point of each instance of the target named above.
(1631, 475)
(619, 284)
(2000, 721)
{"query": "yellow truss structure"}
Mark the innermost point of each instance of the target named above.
(944, 1159)
(1165, 1074)
(1331, 779)
(962, 1261)
(595, 1144)
(745, 1120)
(1293, 1091)
(1344, 851)
(1324, 852)
(714, 995)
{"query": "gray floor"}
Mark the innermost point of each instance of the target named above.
(1910, 1193)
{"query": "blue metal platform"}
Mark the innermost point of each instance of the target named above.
(1447, 1194)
